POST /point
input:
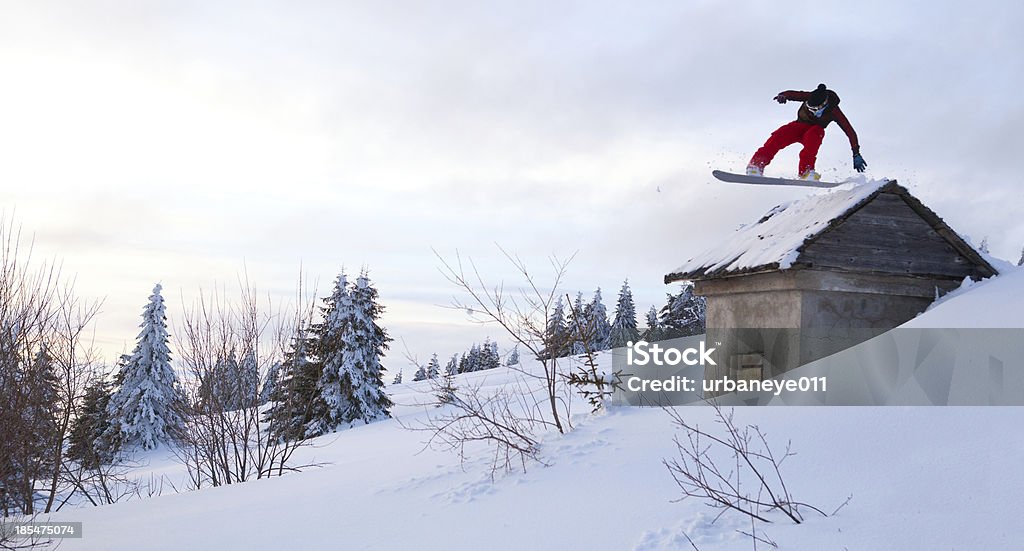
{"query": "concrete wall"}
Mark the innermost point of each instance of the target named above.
(797, 316)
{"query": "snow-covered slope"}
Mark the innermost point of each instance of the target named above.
(925, 478)
(921, 478)
(994, 302)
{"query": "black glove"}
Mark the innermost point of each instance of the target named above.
(780, 98)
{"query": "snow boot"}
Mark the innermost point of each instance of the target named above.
(810, 175)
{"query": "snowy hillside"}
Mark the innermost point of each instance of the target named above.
(995, 302)
(921, 478)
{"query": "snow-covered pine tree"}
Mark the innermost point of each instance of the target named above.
(556, 334)
(489, 356)
(295, 398)
(334, 386)
(420, 375)
(28, 424)
(270, 382)
(623, 329)
(472, 359)
(219, 390)
(453, 365)
(597, 317)
(683, 315)
(653, 331)
(513, 357)
(433, 367)
(85, 439)
(364, 343)
(445, 391)
(578, 324)
(248, 379)
(143, 409)
(398, 378)
(476, 357)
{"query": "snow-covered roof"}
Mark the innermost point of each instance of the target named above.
(776, 241)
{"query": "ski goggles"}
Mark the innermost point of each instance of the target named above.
(817, 110)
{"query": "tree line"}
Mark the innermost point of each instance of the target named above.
(580, 326)
(246, 385)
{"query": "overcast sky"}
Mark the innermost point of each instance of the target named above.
(184, 142)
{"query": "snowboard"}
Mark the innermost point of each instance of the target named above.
(768, 181)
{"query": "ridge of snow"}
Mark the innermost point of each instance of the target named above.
(779, 234)
(996, 302)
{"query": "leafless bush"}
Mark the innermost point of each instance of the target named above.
(523, 316)
(506, 419)
(222, 440)
(499, 419)
(734, 469)
(101, 483)
(9, 541)
(45, 360)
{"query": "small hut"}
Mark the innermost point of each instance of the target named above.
(818, 275)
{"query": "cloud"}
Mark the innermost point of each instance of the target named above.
(182, 141)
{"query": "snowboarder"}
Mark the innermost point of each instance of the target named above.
(819, 108)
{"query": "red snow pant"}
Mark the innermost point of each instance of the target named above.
(810, 135)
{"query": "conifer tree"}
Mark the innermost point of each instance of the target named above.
(28, 425)
(489, 356)
(445, 392)
(513, 357)
(653, 331)
(683, 315)
(294, 399)
(420, 375)
(578, 325)
(364, 344)
(86, 442)
(557, 332)
(335, 384)
(143, 408)
(433, 368)
(270, 382)
(398, 378)
(219, 390)
(248, 379)
(623, 329)
(453, 365)
(597, 317)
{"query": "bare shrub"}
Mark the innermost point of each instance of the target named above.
(45, 361)
(499, 419)
(734, 469)
(505, 419)
(522, 315)
(10, 541)
(227, 349)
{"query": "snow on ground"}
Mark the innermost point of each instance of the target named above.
(921, 479)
